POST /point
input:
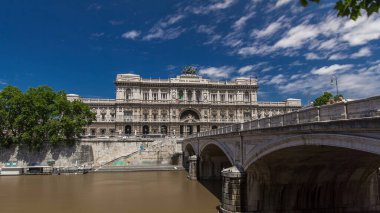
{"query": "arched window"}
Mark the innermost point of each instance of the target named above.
(164, 129)
(145, 129)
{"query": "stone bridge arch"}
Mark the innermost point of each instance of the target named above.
(314, 172)
(360, 143)
(214, 157)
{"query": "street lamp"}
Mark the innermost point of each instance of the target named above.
(335, 79)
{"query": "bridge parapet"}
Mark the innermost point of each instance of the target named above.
(364, 108)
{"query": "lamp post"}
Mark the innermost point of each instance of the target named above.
(334, 78)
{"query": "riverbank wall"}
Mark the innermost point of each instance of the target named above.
(97, 152)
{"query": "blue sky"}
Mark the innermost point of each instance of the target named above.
(80, 46)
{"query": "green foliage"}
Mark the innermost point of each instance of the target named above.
(306, 2)
(323, 99)
(352, 8)
(190, 69)
(40, 116)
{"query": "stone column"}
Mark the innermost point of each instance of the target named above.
(234, 190)
(193, 167)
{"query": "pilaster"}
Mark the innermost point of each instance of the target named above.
(193, 167)
(234, 192)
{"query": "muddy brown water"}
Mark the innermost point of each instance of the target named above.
(128, 192)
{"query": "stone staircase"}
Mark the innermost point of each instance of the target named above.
(158, 155)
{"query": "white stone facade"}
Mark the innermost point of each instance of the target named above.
(178, 106)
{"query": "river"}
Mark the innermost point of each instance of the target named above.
(127, 192)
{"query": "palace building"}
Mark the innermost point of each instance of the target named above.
(178, 106)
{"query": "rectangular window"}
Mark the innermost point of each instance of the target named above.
(247, 116)
(164, 96)
(231, 98)
(146, 96)
(222, 98)
(93, 131)
(155, 96)
(128, 115)
(213, 97)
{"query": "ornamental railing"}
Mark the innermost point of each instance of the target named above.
(364, 108)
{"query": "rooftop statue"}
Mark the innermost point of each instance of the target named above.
(190, 70)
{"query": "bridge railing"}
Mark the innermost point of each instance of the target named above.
(364, 108)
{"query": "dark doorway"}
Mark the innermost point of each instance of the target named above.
(128, 130)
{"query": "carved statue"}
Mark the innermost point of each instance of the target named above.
(190, 70)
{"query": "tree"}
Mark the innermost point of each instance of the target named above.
(40, 116)
(323, 99)
(352, 8)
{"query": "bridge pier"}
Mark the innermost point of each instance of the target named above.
(193, 167)
(234, 197)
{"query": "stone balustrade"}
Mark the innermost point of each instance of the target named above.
(363, 108)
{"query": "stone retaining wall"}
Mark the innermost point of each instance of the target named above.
(94, 153)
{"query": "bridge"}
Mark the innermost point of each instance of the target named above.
(316, 159)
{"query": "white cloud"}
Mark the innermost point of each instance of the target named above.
(275, 80)
(116, 22)
(245, 69)
(298, 36)
(312, 56)
(217, 73)
(268, 31)
(280, 3)
(362, 30)
(256, 50)
(171, 20)
(97, 35)
(261, 66)
(330, 34)
(205, 29)
(133, 34)
(167, 34)
(240, 23)
(220, 5)
(363, 52)
(355, 83)
(163, 30)
(337, 56)
(3, 83)
(328, 45)
(329, 70)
